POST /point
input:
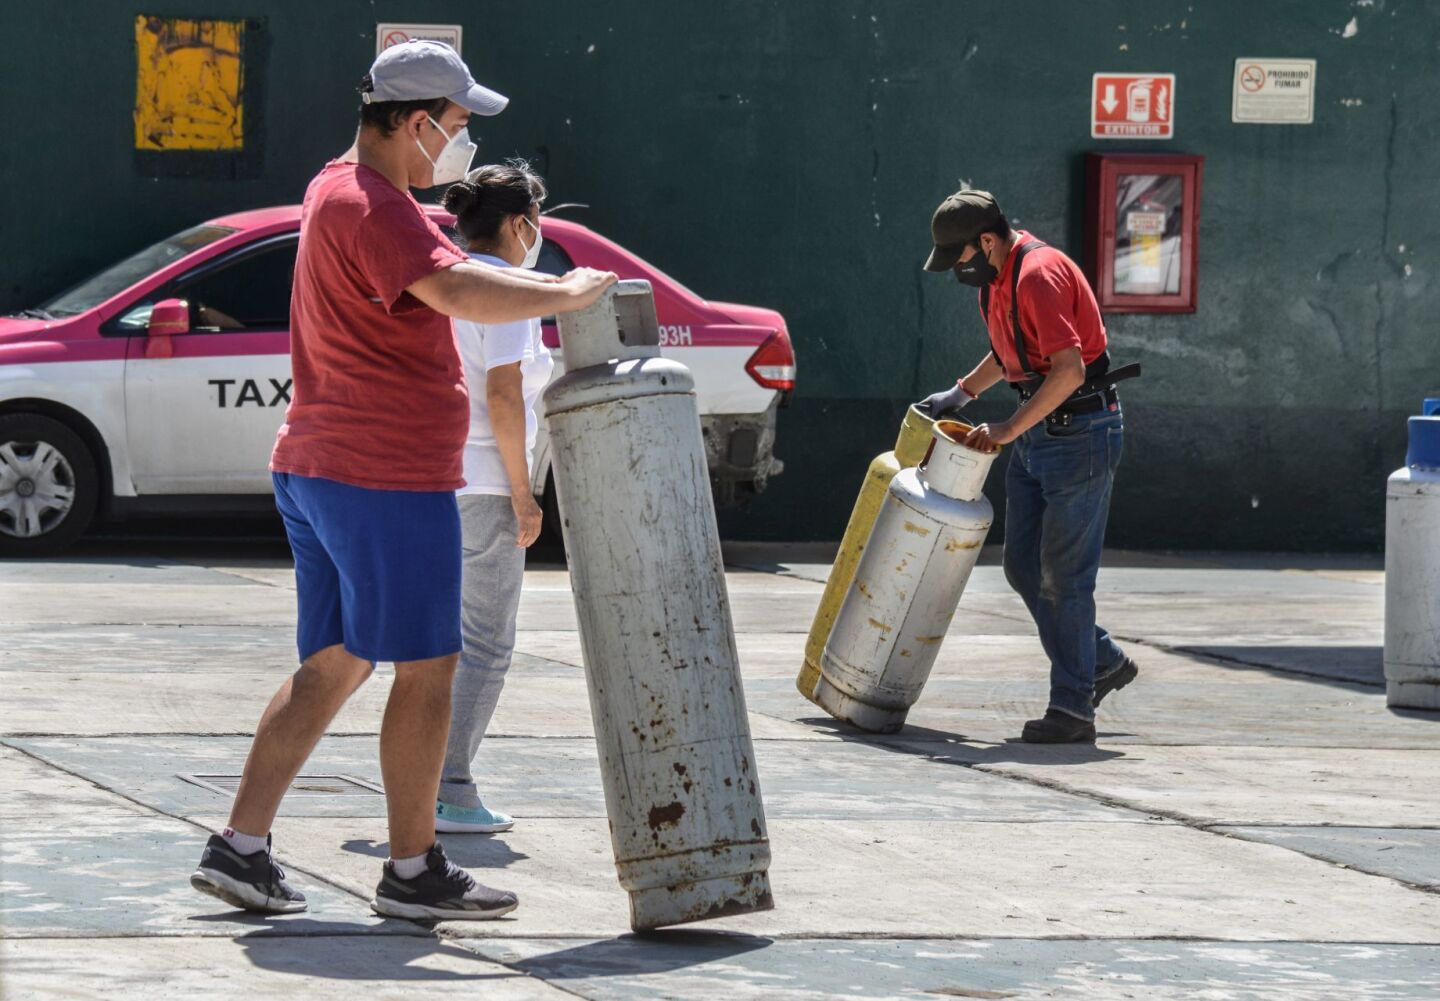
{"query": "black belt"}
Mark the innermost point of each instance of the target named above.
(1093, 395)
(1075, 406)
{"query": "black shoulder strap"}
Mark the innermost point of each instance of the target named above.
(1095, 370)
(1016, 332)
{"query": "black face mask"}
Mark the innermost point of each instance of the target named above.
(976, 272)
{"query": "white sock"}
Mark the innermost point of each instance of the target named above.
(409, 868)
(244, 844)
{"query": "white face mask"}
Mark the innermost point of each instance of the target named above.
(454, 160)
(532, 252)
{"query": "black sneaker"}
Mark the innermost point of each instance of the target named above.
(443, 892)
(252, 882)
(1058, 728)
(1113, 681)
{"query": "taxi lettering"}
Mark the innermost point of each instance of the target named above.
(250, 392)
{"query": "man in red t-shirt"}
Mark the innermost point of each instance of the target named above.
(1047, 340)
(366, 468)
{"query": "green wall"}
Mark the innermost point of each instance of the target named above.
(790, 155)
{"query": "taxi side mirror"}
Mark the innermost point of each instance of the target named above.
(168, 317)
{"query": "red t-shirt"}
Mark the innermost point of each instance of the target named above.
(1057, 311)
(379, 398)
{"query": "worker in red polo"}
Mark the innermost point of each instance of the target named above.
(1048, 342)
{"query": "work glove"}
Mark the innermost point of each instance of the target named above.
(945, 403)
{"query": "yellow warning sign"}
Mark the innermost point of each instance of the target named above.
(189, 84)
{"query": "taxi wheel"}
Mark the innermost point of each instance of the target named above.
(48, 485)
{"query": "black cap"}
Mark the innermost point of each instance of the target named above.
(959, 221)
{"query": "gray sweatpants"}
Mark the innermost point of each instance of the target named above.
(494, 568)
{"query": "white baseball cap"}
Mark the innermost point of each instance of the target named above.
(421, 70)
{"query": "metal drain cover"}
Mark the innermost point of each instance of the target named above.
(304, 785)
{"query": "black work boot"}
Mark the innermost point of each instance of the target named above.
(1114, 680)
(1058, 728)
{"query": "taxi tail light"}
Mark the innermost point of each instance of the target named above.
(773, 363)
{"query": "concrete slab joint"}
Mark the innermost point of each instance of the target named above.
(1254, 821)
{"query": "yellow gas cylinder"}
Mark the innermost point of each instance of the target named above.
(910, 448)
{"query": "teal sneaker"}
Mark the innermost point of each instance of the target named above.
(470, 820)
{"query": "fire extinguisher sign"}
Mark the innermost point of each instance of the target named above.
(1132, 106)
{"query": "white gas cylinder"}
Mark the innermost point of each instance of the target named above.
(921, 551)
(1412, 572)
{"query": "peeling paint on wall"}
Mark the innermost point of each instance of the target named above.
(189, 84)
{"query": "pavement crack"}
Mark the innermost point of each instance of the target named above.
(515, 965)
(1185, 820)
(273, 926)
(1353, 867)
(157, 811)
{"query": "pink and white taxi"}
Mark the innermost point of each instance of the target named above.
(157, 385)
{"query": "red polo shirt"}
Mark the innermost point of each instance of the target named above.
(1057, 311)
(379, 399)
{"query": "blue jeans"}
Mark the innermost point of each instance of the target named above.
(1057, 500)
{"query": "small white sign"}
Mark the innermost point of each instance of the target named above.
(1145, 223)
(387, 35)
(1274, 92)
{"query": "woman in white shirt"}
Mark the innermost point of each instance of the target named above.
(497, 214)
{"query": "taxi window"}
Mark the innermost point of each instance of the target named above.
(135, 268)
(252, 293)
(248, 291)
(553, 259)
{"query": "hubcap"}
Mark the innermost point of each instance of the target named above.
(37, 488)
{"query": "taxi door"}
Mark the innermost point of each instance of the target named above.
(203, 420)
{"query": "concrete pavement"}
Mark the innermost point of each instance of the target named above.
(1253, 822)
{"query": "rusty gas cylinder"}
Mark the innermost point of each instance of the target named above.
(910, 448)
(676, 758)
(916, 563)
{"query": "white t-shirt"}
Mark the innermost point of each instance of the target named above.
(484, 346)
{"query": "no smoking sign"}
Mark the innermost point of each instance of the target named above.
(387, 35)
(1274, 92)
(1252, 78)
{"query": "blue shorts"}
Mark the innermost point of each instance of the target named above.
(376, 570)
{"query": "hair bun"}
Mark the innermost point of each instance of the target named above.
(459, 197)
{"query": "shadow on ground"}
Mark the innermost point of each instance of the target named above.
(956, 749)
(349, 951)
(289, 926)
(469, 851)
(630, 955)
(1343, 666)
(354, 957)
(1359, 669)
